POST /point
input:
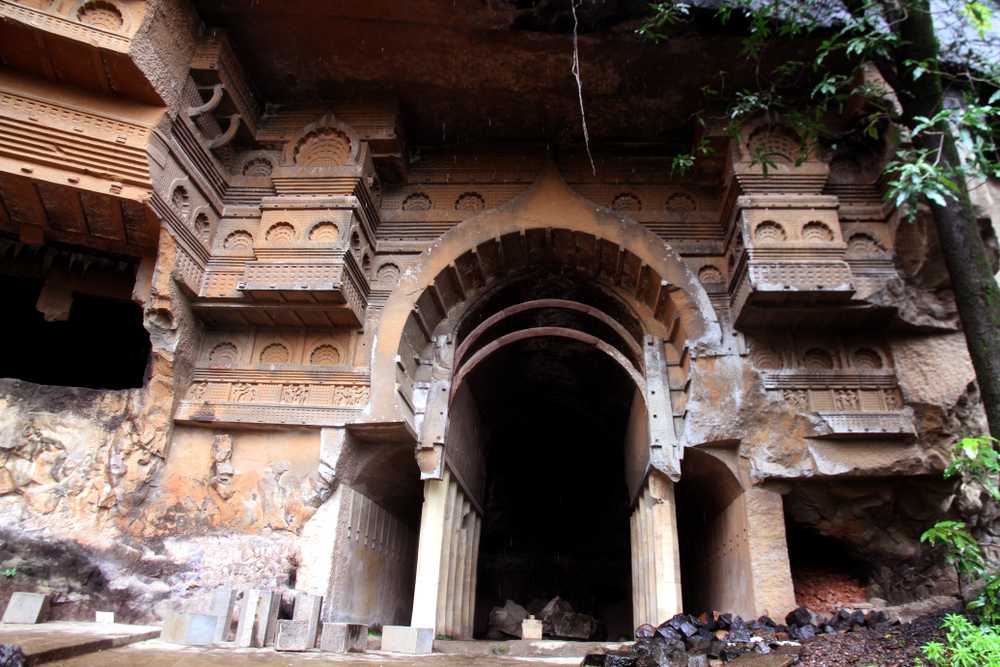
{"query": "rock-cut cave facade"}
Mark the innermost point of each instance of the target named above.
(313, 343)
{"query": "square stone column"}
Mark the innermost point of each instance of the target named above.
(770, 569)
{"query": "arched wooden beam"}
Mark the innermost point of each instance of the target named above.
(537, 304)
(547, 332)
(213, 101)
(227, 136)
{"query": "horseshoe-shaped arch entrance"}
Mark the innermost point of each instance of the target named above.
(491, 285)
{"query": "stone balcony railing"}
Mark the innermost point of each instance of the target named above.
(770, 279)
(308, 276)
(868, 424)
(851, 402)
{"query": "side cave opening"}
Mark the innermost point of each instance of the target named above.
(826, 574)
(552, 417)
(71, 320)
(712, 537)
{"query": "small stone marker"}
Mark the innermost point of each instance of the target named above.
(247, 627)
(293, 636)
(26, 608)
(105, 617)
(531, 628)
(344, 637)
(267, 618)
(406, 639)
(222, 609)
(307, 608)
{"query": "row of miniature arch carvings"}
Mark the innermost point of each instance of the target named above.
(180, 202)
(820, 359)
(227, 354)
(326, 143)
(473, 201)
(771, 231)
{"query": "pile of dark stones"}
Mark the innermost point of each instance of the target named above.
(11, 655)
(699, 641)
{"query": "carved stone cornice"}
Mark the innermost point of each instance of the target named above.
(83, 141)
(64, 27)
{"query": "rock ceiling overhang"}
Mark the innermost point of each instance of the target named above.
(469, 72)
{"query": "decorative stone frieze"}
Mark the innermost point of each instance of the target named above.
(850, 383)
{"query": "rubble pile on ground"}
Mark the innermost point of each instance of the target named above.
(558, 618)
(698, 641)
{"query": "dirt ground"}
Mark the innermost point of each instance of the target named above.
(896, 647)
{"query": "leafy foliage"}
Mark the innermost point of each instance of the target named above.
(987, 603)
(965, 645)
(976, 459)
(963, 551)
(858, 34)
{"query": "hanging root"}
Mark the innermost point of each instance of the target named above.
(579, 85)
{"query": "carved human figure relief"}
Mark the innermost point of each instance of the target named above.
(222, 466)
(846, 399)
(243, 392)
(797, 398)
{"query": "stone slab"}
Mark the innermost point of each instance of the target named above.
(221, 607)
(174, 627)
(344, 637)
(26, 608)
(63, 640)
(190, 629)
(104, 617)
(293, 636)
(407, 639)
(267, 618)
(246, 629)
(307, 608)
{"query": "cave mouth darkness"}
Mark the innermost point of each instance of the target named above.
(91, 333)
(553, 415)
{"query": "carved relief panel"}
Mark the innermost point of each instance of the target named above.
(850, 381)
(274, 375)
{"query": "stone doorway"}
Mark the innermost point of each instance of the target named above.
(546, 455)
(553, 415)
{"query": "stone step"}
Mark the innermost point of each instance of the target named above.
(522, 648)
(60, 640)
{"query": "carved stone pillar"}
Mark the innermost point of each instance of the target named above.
(656, 571)
(447, 554)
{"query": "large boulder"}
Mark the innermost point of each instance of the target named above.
(571, 625)
(507, 619)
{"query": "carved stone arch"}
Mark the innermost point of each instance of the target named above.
(259, 164)
(547, 223)
(325, 124)
(107, 15)
(203, 221)
(179, 198)
(782, 143)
